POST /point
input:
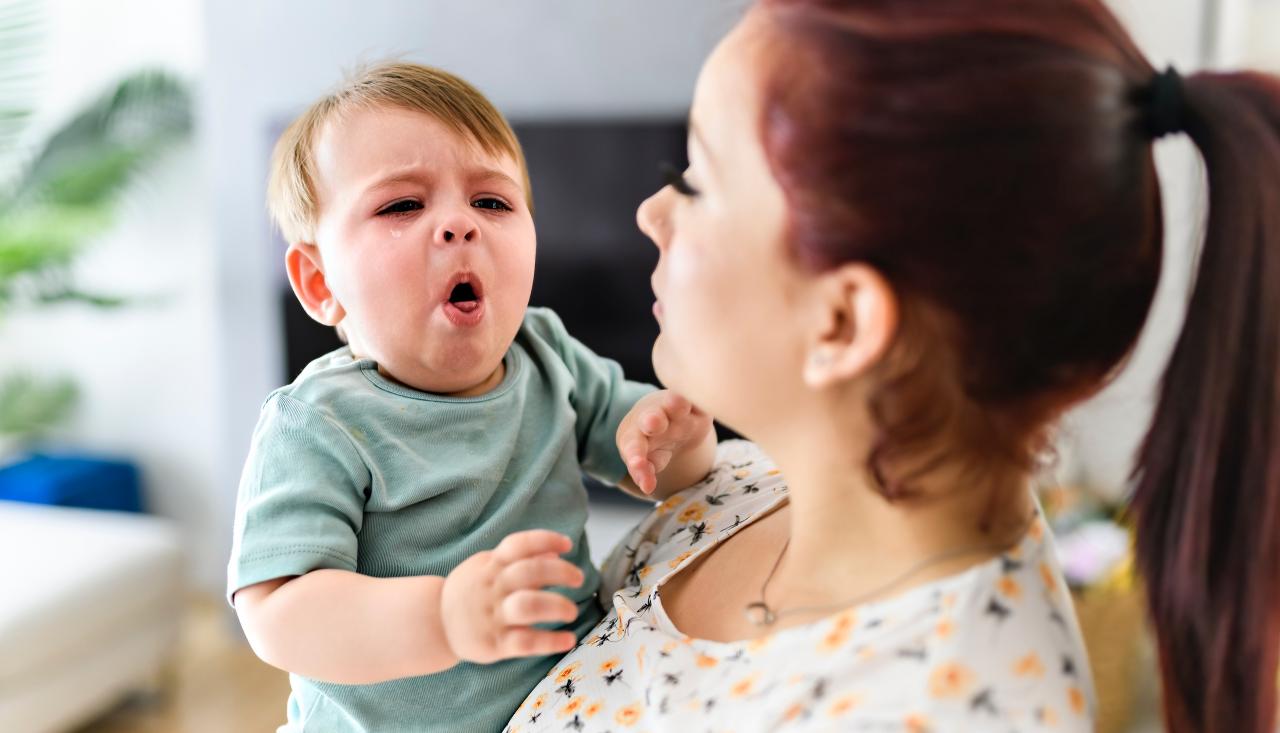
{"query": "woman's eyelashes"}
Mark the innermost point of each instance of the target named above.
(676, 180)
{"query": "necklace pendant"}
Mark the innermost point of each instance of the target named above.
(760, 614)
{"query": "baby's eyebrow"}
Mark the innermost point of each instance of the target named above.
(477, 175)
(482, 175)
(408, 176)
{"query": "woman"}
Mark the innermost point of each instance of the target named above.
(912, 235)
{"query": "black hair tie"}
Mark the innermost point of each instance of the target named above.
(1166, 106)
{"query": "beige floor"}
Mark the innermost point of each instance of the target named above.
(217, 685)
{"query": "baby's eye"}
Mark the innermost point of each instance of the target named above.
(491, 204)
(401, 207)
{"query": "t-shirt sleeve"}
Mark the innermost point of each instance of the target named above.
(301, 498)
(601, 397)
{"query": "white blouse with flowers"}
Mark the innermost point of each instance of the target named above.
(993, 648)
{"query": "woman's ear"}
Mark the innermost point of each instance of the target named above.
(857, 321)
(306, 274)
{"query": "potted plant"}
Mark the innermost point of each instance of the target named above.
(58, 194)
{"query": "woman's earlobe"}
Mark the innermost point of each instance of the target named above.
(861, 322)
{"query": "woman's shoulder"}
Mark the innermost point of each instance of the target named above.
(743, 481)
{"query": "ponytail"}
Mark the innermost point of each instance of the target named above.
(1207, 499)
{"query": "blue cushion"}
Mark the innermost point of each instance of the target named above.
(73, 481)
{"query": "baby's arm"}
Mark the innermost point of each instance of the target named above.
(344, 627)
(667, 444)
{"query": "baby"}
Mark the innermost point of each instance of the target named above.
(407, 500)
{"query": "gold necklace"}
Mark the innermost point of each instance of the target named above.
(760, 613)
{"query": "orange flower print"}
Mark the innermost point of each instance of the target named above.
(744, 686)
(843, 705)
(670, 504)
(593, 709)
(628, 715)
(916, 723)
(845, 621)
(773, 472)
(691, 513)
(568, 672)
(643, 572)
(571, 708)
(1046, 574)
(1049, 717)
(1075, 698)
(945, 628)
(539, 702)
(675, 562)
(950, 680)
(706, 662)
(793, 712)
(610, 665)
(741, 473)
(834, 639)
(759, 643)
(1009, 587)
(1029, 666)
(640, 658)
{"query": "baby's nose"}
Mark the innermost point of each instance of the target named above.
(456, 228)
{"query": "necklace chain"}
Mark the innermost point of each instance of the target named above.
(761, 613)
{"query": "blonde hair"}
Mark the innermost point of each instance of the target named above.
(291, 192)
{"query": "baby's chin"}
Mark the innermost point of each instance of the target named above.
(460, 370)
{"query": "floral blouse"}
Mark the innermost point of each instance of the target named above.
(993, 648)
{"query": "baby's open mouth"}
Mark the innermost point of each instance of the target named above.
(464, 297)
(466, 294)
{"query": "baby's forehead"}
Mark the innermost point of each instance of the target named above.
(354, 144)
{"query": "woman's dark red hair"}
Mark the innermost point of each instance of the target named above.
(993, 158)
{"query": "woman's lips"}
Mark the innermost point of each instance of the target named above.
(657, 309)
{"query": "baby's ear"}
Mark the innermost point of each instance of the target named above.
(306, 274)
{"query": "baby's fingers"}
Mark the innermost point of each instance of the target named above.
(654, 422)
(530, 543)
(526, 642)
(528, 607)
(540, 572)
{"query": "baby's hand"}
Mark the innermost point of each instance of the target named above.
(657, 427)
(490, 602)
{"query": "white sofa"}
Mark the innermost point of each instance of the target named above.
(90, 606)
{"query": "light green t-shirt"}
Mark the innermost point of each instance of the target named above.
(350, 470)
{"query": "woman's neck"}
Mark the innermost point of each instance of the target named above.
(847, 540)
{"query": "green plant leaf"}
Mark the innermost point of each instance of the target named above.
(31, 406)
(91, 158)
(21, 30)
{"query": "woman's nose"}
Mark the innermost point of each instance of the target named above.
(651, 217)
(456, 227)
